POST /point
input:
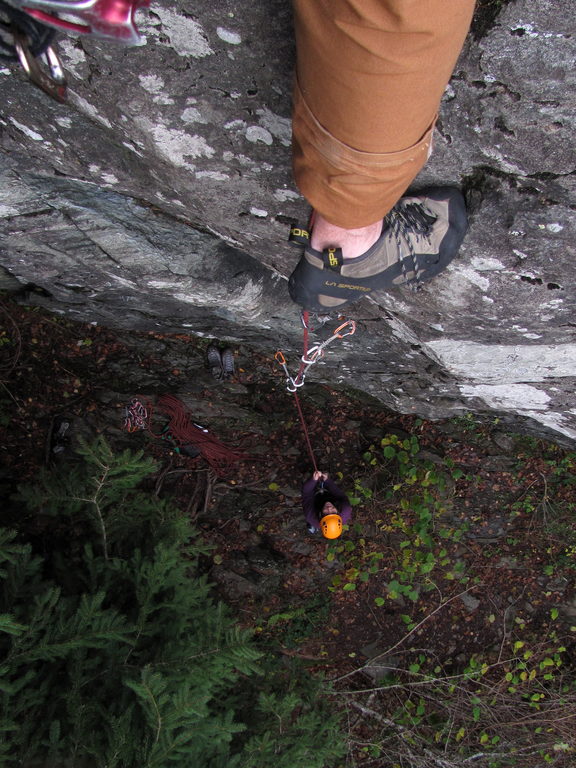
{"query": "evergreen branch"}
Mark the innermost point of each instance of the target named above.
(94, 502)
(125, 660)
(143, 689)
(59, 650)
(9, 626)
(158, 715)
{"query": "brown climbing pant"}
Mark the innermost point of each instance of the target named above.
(369, 78)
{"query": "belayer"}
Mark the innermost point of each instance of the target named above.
(326, 507)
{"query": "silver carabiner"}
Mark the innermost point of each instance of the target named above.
(313, 355)
(50, 79)
(295, 384)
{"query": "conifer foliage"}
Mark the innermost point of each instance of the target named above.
(112, 651)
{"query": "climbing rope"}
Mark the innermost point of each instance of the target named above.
(305, 431)
(39, 37)
(310, 356)
(182, 431)
(185, 432)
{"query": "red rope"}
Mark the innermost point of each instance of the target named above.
(305, 322)
(305, 430)
(185, 432)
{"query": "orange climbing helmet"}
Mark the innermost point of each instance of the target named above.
(331, 526)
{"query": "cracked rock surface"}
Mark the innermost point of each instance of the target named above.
(159, 198)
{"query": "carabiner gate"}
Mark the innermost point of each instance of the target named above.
(51, 78)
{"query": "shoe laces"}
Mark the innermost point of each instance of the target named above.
(409, 222)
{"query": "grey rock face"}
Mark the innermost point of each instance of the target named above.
(159, 196)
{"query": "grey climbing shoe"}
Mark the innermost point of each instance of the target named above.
(227, 363)
(214, 360)
(420, 237)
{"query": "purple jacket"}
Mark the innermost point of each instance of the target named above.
(309, 493)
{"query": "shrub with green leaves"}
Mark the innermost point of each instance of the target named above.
(112, 651)
(406, 496)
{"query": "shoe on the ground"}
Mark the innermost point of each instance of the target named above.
(420, 237)
(227, 363)
(58, 438)
(214, 360)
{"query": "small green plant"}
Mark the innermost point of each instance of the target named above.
(468, 424)
(297, 623)
(503, 711)
(409, 507)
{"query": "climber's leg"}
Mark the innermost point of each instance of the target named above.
(370, 75)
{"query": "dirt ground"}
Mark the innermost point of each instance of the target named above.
(509, 554)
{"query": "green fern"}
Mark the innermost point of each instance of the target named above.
(112, 650)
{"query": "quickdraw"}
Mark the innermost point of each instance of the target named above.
(312, 355)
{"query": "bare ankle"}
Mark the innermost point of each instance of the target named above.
(353, 242)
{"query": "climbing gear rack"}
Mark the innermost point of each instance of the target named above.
(28, 27)
(135, 416)
(29, 42)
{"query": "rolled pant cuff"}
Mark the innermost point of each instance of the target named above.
(348, 187)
